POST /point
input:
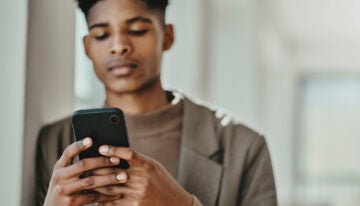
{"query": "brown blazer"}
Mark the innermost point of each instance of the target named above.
(221, 162)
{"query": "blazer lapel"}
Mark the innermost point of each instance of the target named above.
(198, 174)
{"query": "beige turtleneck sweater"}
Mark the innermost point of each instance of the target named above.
(157, 134)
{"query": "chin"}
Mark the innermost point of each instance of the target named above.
(125, 88)
(136, 85)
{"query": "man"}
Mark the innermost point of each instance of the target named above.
(181, 153)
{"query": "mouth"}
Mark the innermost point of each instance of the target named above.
(122, 69)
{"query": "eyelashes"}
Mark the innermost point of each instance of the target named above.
(101, 37)
(131, 32)
(138, 32)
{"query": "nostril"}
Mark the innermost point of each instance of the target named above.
(125, 50)
(120, 51)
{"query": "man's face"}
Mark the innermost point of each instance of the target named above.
(125, 43)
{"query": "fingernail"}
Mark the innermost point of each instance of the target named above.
(121, 177)
(86, 141)
(114, 160)
(104, 149)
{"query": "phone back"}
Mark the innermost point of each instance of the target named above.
(104, 126)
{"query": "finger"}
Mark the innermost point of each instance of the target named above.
(125, 153)
(88, 164)
(72, 151)
(92, 198)
(128, 189)
(106, 171)
(124, 201)
(111, 189)
(94, 182)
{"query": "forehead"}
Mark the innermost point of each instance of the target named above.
(120, 10)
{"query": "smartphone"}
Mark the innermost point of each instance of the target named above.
(106, 126)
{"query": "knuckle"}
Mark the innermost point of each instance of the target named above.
(94, 197)
(142, 192)
(136, 203)
(79, 145)
(131, 153)
(68, 201)
(89, 181)
(59, 189)
(56, 177)
(82, 165)
(112, 178)
(112, 171)
(109, 189)
(105, 161)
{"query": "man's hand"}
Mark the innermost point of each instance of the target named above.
(148, 182)
(67, 188)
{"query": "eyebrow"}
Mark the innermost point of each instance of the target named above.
(98, 25)
(129, 21)
(139, 18)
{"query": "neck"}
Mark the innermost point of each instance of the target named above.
(144, 100)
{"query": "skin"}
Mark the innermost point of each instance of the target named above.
(126, 42)
(113, 40)
(66, 187)
(149, 183)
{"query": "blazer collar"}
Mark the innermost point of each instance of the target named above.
(198, 174)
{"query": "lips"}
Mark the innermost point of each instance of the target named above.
(120, 69)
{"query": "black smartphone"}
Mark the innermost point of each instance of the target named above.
(106, 126)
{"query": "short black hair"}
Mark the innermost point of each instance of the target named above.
(86, 5)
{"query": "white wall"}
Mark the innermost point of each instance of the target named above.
(183, 65)
(13, 20)
(294, 39)
(212, 58)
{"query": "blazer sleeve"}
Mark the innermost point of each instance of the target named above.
(258, 181)
(51, 142)
(42, 167)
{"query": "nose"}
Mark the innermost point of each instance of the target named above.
(120, 46)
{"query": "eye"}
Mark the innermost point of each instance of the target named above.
(138, 32)
(102, 37)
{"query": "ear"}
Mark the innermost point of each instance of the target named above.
(86, 45)
(168, 37)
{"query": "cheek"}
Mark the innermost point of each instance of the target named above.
(152, 43)
(149, 47)
(151, 53)
(97, 55)
(98, 65)
(98, 48)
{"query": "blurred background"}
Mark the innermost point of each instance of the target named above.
(287, 68)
